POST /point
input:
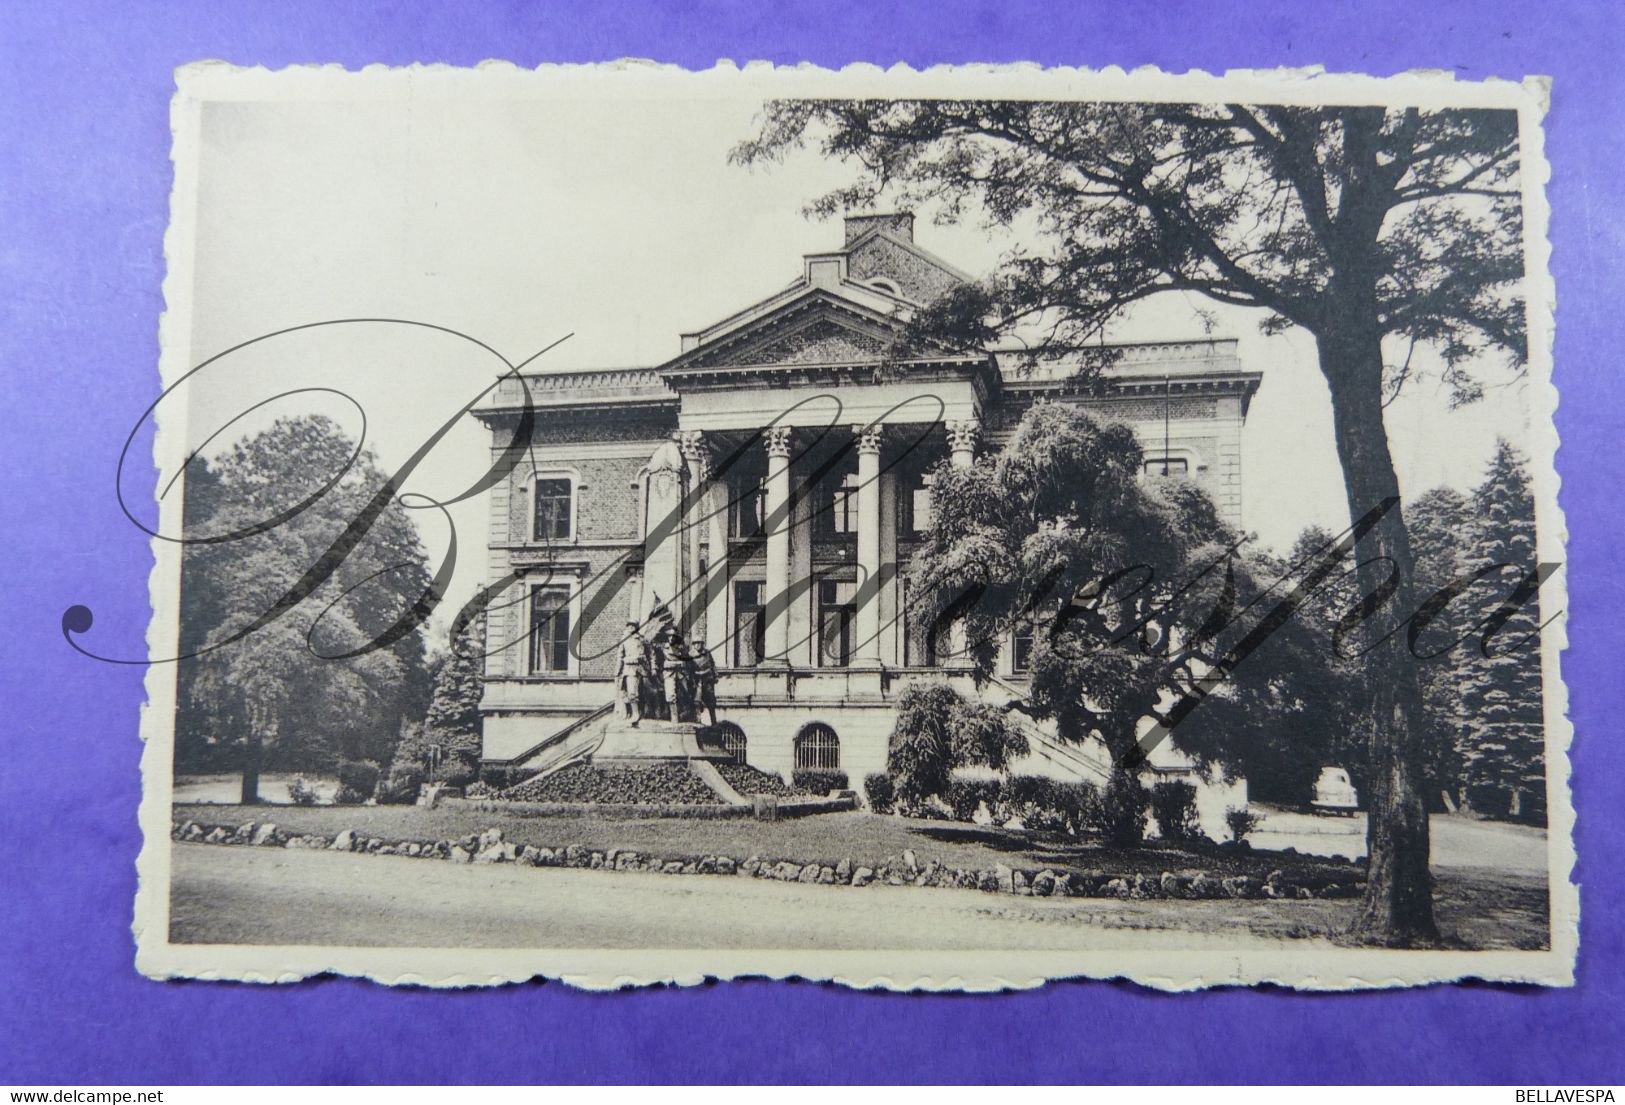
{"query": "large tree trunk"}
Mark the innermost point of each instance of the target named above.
(1397, 909)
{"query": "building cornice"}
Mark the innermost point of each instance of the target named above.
(588, 391)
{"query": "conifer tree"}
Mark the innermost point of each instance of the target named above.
(453, 720)
(1502, 741)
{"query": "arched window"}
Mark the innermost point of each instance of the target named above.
(817, 748)
(733, 741)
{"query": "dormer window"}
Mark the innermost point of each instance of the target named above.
(888, 286)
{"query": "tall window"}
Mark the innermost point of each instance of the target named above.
(920, 504)
(749, 507)
(750, 624)
(1167, 466)
(549, 630)
(838, 506)
(923, 639)
(913, 504)
(817, 748)
(836, 611)
(553, 509)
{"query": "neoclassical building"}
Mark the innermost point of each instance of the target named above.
(767, 486)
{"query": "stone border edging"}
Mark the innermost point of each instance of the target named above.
(489, 847)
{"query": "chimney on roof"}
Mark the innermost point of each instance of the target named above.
(900, 223)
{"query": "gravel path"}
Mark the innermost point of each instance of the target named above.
(1455, 841)
(266, 895)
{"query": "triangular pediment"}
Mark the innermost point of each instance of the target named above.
(820, 339)
(816, 328)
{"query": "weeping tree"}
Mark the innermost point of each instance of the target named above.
(939, 730)
(1378, 231)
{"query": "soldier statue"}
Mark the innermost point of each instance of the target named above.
(704, 670)
(675, 676)
(630, 671)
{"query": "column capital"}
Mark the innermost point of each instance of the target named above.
(692, 443)
(695, 450)
(869, 438)
(962, 433)
(776, 440)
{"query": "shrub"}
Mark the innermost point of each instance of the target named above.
(1119, 816)
(360, 777)
(501, 776)
(455, 771)
(479, 790)
(401, 786)
(880, 792)
(1174, 806)
(964, 796)
(819, 781)
(300, 792)
(1049, 804)
(1241, 821)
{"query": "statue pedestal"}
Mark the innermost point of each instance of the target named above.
(653, 741)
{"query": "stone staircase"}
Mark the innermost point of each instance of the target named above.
(1083, 763)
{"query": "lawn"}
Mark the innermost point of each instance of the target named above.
(1478, 907)
(866, 839)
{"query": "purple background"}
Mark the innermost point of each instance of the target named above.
(84, 187)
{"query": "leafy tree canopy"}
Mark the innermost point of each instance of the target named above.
(1276, 207)
(290, 687)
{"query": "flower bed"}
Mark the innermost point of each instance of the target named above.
(662, 785)
(619, 811)
(748, 780)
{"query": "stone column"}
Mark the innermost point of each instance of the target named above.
(698, 459)
(962, 454)
(866, 630)
(717, 630)
(777, 510)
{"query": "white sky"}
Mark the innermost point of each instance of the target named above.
(622, 223)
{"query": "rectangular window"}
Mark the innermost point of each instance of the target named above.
(838, 506)
(1167, 466)
(750, 624)
(553, 510)
(549, 630)
(920, 509)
